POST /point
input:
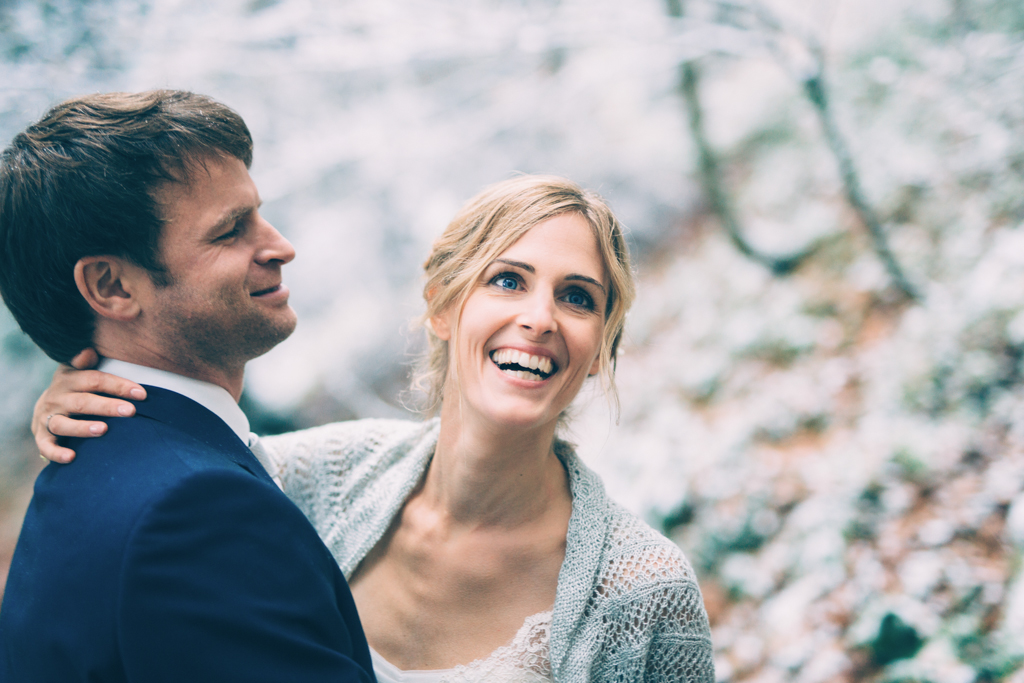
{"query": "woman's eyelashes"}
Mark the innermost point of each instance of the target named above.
(577, 297)
(510, 281)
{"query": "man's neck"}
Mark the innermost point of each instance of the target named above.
(211, 396)
(230, 379)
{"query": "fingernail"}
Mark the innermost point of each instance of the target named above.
(43, 457)
(137, 394)
(96, 428)
(124, 411)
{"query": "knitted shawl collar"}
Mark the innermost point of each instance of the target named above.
(585, 541)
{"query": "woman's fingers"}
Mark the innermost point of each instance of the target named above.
(51, 451)
(77, 392)
(72, 405)
(71, 381)
(66, 397)
(61, 425)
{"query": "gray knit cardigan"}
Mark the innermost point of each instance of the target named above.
(627, 606)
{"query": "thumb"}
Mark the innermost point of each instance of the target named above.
(87, 358)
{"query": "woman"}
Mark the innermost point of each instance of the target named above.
(477, 545)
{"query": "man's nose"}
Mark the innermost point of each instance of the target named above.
(273, 246)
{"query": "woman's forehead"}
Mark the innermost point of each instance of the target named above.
(564, 240)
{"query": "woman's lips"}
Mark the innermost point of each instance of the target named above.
(523, 365)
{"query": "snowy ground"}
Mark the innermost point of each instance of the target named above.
(843, 466)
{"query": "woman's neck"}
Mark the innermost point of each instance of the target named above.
(482, 475)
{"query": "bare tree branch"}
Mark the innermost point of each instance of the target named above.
(804, 58)
(809, 69)
(814, 87)
(711, 181)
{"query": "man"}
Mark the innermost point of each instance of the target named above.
(129, 222)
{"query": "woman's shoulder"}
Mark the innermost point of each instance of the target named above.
(637, 557)
(641, 602)
(350, 439)
(348, 478)
(631, 550)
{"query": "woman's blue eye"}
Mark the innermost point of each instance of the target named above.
(506, 282)
(579, 298)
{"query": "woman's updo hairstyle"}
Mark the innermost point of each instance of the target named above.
(489, 224)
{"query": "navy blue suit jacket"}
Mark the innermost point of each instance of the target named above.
(165, 552)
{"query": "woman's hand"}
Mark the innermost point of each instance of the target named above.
(73, 391)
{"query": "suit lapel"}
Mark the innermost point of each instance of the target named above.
(201, 424)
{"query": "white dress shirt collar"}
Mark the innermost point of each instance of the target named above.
(214, 398)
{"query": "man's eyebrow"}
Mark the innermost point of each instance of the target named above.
(530, 269)
(233, 216)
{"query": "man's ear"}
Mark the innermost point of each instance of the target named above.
(111, 285)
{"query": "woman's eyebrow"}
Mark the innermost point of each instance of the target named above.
(518, 264)
(586, 278)
(530, 269)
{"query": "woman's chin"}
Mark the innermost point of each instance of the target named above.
(509, 405)
(519, 415)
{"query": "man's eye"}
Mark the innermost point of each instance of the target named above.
(233, 232)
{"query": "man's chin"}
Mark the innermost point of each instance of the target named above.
(243, 342)
(276, 331)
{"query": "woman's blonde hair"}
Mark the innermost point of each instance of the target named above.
(489, 224)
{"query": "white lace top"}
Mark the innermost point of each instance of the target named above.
(525, 659)
(627, 606)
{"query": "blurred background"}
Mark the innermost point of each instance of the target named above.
(821, 385)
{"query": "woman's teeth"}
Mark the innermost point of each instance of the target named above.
(522, 365)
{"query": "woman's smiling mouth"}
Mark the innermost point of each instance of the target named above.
(523, 365)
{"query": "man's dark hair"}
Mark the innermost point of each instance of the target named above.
(81, 181)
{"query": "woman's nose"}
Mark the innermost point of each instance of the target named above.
(538, 314)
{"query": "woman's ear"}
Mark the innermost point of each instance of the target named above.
(595, 367)
(440, 326)
(110, 285)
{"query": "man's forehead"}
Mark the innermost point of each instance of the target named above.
(194, 169)
(211, 191)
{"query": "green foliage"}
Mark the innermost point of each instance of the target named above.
(896, 640)
(909, 466)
